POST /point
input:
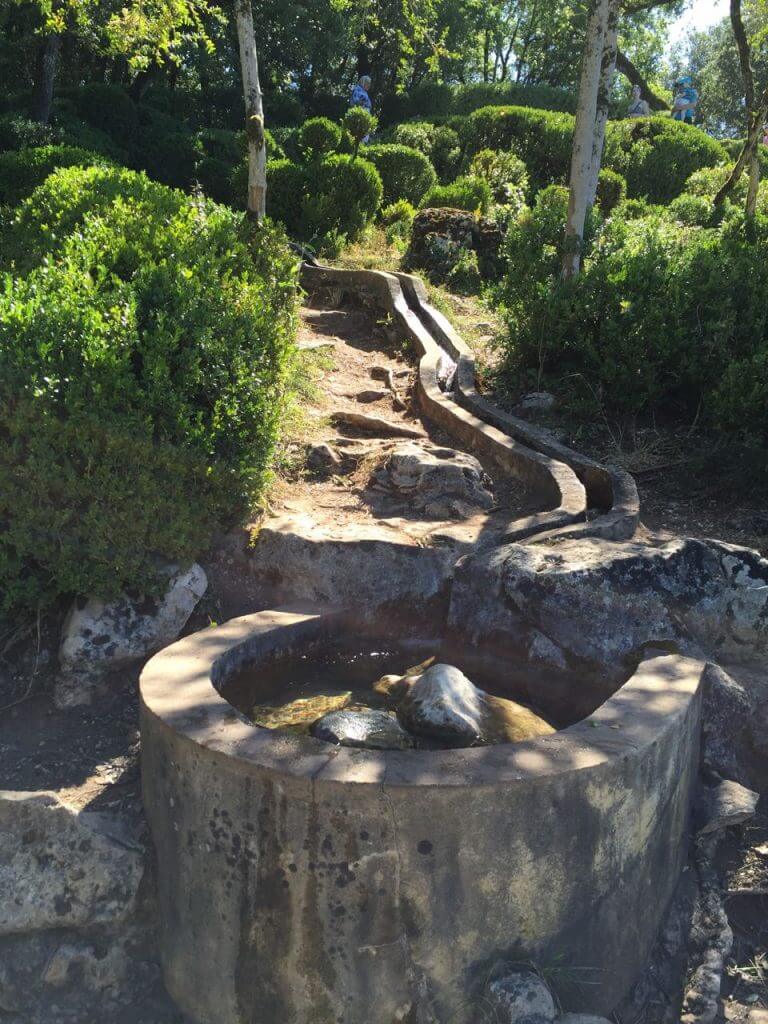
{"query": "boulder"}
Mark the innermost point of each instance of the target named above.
(99, 637)
(371, 729)
(441, 482)
(724, 805)
(521, 997)
(599, 602)
(362, 566)
(440, 236)
(536, 402)
(727, 715)
(60, 868)
(442, 704)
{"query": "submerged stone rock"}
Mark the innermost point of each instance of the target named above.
(298, 715)
(521, 997)
(442, 482)
(443, 704)
(372, 729)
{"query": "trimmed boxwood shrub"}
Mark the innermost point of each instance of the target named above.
(416, 135)
(42, 223)
(22, 171)
(110, 109)
(142, 378)
(657, 155)
(318, 136)
(484, 94)
(540, 138)
(286, 182)
(505, 173)
(342, 194)
(338, 194)
(466, 193)
(405, 173)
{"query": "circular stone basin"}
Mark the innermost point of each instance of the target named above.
(304, 883)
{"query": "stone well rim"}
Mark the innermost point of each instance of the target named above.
(177, 689)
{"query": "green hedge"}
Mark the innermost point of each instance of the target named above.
(655, 155)
(465, 193)
(405, 173)
(436, 100)
(22, 171)
(665, 316)
(17, 132)
(334, 195)
(540, 138)
(142, 378)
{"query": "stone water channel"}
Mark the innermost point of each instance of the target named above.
(304, 876)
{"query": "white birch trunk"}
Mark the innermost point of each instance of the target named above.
(583, 136)
(254, 111)
(607, 71)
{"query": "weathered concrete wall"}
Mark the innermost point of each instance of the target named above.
(302, 883)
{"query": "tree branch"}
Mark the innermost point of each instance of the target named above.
(628, 69)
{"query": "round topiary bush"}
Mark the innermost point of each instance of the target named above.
(23, 170)
(405, 173)
(505, 174)
(657, 155)
(416, 135)
(317, 137)
(342, 194)
(142, 379)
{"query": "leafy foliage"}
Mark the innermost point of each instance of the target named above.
(505, 173)
(317, 137)
(465, 193)
(23, 170)
(665, 314)
(142, 376)
(405, 173)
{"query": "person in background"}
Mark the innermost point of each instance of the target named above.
(686, 98)
(360, 97)
(764, 139)
(638, 107)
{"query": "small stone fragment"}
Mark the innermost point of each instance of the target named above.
(99, 636)
(372, 395)
(321, 458)
(724, 805)
(373, 730)
(442, 482)
(537, 401)
(521, 998)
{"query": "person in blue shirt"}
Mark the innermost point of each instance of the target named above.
(360, 97)
(686, 98)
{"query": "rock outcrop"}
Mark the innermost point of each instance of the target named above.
(598, 602)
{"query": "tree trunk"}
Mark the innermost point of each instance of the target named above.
(583, 136)
(45, 77)
(748, 156)
(607, 71)
(254, 111)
